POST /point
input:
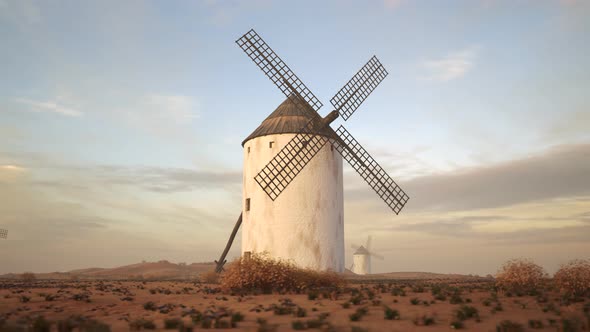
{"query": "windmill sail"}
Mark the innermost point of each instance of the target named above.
(370, 171)
(360, 86)
(276, 69)
(289, 162)
(294, 156)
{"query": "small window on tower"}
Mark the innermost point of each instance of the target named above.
(270, 144)
(247, 204)
(248, 149)
(331, 147)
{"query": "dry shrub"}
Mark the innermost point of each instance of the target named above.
(260, 273)
(209, 277)
(520, 276)
(573, 278)
(28, 276)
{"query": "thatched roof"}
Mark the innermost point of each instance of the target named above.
(288, 118)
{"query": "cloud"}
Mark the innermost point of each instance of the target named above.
(49, 106)
(467, 228)
(165, 116)
(70, 211)
(176, 108)
(561, 171)
(12, 168)
(452, 66)
(9, 173)
(166, 180)
(569, 126)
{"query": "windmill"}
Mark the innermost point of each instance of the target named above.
(3, 233)
(295, 147)
(361, 258)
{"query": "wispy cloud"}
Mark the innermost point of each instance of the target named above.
(564, 229)
(559, 172)
(161, 114)
(176, 108)
(452, 66)
(10, 173)
(12, 168)
(49, 106)
(165, 180)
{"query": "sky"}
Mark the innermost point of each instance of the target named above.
(121, 126)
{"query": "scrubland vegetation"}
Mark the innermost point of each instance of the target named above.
(262, 294)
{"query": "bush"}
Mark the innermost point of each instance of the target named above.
(150, 306)
(260, 273)
(466, 312)
(573, 278)
(300, 312)
(358, 329)
(520, 276)
(398, 291)
(209, 277)
(81, 323)
(457, 325)
(236, 317)
(509, 326)
(355, 317)
(140, 324)
(298, 325)
(535, 324)
(391, 314)
(173, 323)
(424, 320)
(40, 324)
(312, 295)
(360, 312)
(28, 276)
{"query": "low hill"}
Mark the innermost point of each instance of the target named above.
(145, 270)
(409, 276)
(165, 270)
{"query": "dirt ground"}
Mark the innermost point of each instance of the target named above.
(117, 303)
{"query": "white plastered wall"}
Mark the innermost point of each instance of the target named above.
(361, 264)
(305, 223)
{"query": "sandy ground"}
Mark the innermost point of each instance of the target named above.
(116, 303)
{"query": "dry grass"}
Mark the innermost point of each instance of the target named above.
(28, 276)
(520, 276)
(573, 278)
(260, 273)
(209, 277)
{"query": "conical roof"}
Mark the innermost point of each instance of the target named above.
(288, 118)
(361, 251)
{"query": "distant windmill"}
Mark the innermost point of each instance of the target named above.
(361, 258)
(295, 154)
(3, 233)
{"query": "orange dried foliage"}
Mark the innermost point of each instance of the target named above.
(260, 273)
(209, 277)
(28, 276)
(520, 275)
(573, 278)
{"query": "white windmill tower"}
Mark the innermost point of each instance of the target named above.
(307, 224)
(361, 258)
(296, 147)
